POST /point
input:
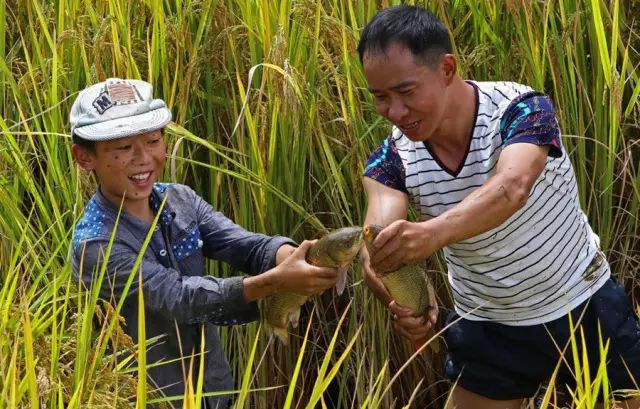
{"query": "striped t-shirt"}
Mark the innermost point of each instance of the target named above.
(533, 268)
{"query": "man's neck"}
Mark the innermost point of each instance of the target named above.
(456, 130)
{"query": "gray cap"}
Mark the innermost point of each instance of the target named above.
(116, 109)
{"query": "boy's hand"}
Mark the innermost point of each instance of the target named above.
(410, 324)
(294, 274)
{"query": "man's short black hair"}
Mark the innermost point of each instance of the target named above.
(414, 27)
(84, 143)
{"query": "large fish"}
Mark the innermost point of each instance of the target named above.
(336, 249)
(409, 286)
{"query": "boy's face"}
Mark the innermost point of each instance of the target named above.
(127, 166)
(407, 92)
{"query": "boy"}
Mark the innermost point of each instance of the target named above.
(483, 164)
(117, 131)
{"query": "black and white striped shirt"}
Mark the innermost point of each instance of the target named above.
(530, 269)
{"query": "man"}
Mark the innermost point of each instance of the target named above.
(117, 129)
(483, 164)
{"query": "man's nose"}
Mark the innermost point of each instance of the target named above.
(397, 110)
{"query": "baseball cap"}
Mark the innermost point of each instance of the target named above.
(117, 108)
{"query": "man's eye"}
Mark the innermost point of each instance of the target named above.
(124, 147)
(154, 141)
(406, 91)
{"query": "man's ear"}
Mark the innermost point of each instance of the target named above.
(449, 67)
(84, 158)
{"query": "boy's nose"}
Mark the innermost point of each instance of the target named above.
(141, 155)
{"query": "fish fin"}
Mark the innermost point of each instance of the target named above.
(342, 279)
(294, 318)
(281, 333)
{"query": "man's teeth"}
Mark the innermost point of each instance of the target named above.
(410, 125)
(141, 176)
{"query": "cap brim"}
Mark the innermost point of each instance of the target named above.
(128, 126)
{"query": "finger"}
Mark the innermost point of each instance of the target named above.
(386, 234)
(414, 325)
(401, 310)
(404, 332)
(320, 286)
(387, 250)
(323, 272)
(303, 248)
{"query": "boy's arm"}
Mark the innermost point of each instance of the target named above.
(186, 299)
(249, 252)
(281, 267)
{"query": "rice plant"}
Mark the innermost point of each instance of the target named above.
(273, 126)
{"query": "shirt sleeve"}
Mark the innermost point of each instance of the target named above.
(385, 166)
(251, 253)
(531, 118)
(186, 299)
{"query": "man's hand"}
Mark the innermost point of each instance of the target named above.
(403, 242)
(295, 275)
(411, 324)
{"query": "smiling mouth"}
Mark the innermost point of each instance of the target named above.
(410, 126)
(140, 177)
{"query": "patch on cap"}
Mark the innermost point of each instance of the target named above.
(115, 93)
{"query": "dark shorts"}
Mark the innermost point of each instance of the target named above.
(506, 362)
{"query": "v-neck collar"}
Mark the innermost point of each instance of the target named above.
(456, 172)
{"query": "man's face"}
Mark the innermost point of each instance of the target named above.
(128, 166)
(407, 92)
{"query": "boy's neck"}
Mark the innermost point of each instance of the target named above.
(140, 209)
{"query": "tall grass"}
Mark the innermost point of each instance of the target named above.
(274, 126)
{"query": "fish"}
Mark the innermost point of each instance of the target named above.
(336, 249)
(409, 286)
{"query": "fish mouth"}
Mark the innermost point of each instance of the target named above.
(370, 232)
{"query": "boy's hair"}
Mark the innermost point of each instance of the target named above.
(414, 27)
(84, 143)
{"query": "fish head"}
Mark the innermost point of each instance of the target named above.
(343, 244)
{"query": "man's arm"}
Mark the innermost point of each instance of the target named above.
(384, 206)
(519, 166)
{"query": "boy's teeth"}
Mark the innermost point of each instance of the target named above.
(141, 176)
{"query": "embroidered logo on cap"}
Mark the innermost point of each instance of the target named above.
(115, 93)
(103, 102)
